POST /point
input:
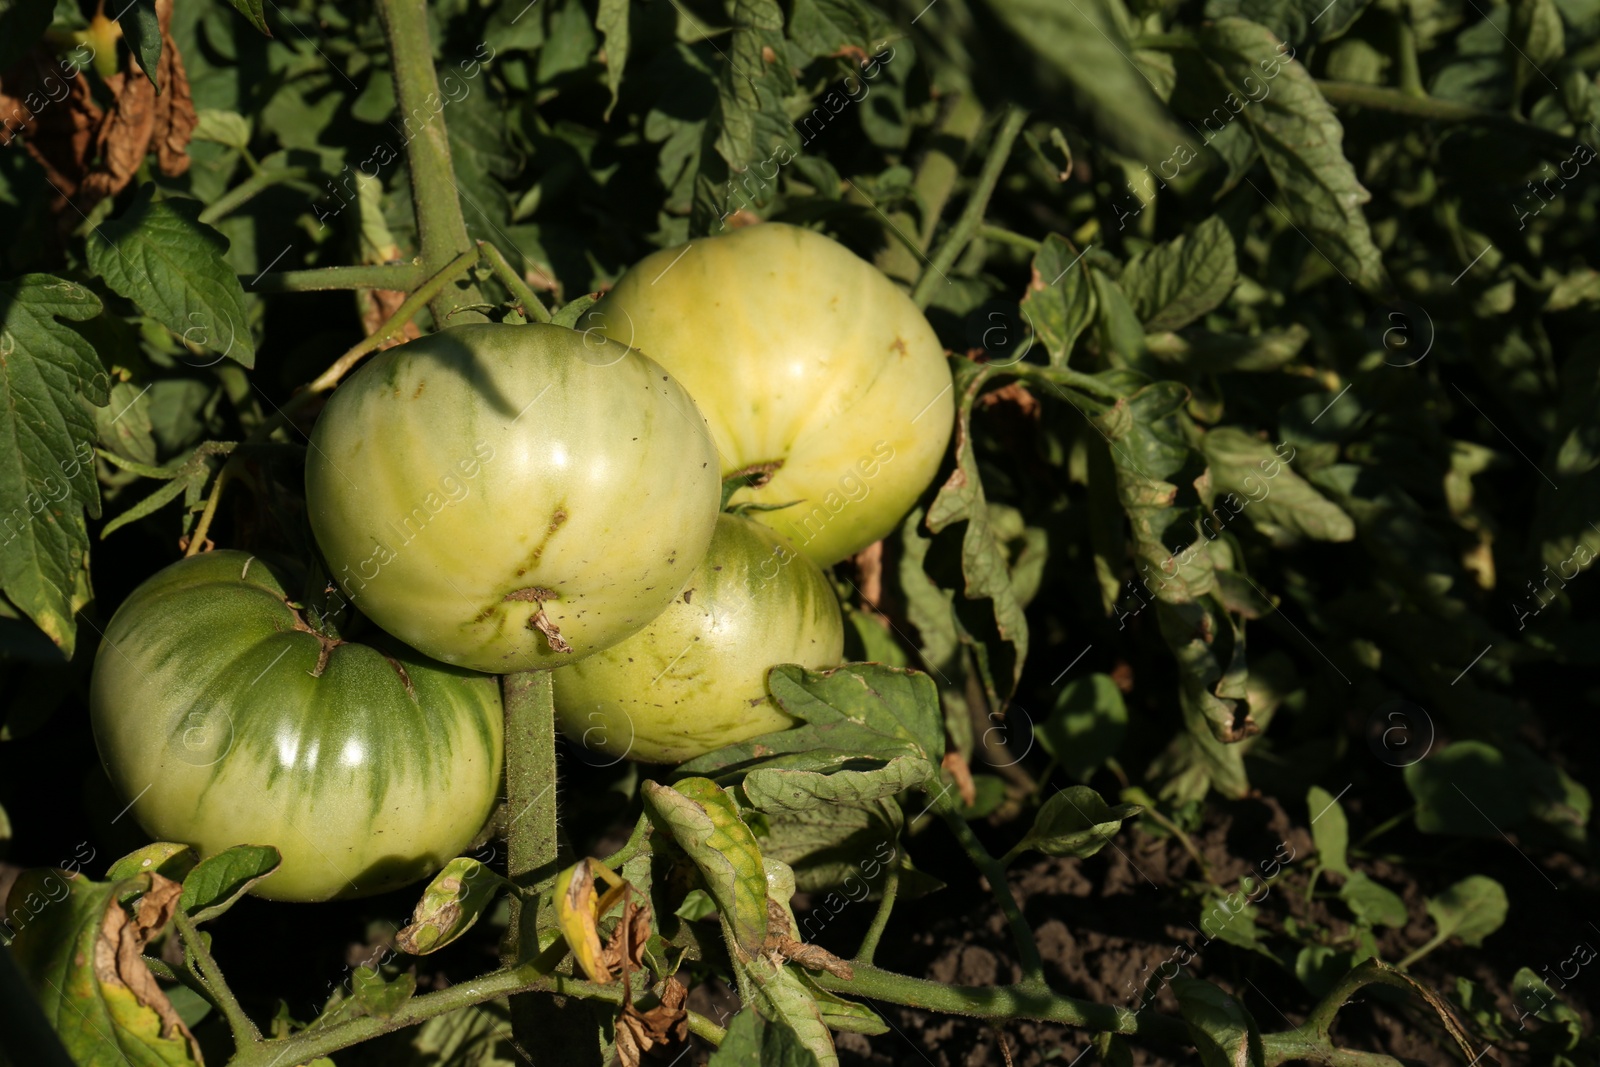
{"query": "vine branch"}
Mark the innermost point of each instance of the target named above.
(245, 1034)
(972, 215)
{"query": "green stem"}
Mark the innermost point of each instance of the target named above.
(245, 1034)
(632, 847)
(1384, 827)
(402, 277)
(249, 189)
(1405, 46)
(1400, 102)
(441, 231)
(197, 539)
(869, 943)
(1005, 1002)
(1005, 236)
(532, 307)
(1428, 946)
(972, 215)
(941, 166)
(995, 874)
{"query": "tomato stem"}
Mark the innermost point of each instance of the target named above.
(245, 1034)
(399, 276)
(533, 308)
(869, 943)
(995, 874)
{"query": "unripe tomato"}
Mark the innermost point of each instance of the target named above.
(803, 356)
(511, 497)
(225, 719)
(695, 678)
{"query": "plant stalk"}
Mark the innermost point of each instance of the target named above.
(441, 230)
(250, 188)
(533, 308)
(995, 874)
(245, 1034)
(880, 920)
(402, 277)
(972, 215)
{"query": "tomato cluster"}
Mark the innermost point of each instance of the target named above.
(503, 498)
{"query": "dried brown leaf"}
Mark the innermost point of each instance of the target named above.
(640, 1031)
(119, 948)
(956, 764)
(175, 116)
(376, 307)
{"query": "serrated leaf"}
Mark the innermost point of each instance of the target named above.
(1329, 829)
(49, 378)
(1076, 821)
(753, 1038)
(252, 11)
(1471, 910)
(612, 22)
(1083, 40)
(1305, 22)
(1175, 283)
(163, 258)
(1267, 491)
(838, 845)
(223, 127)
(378, 997)
(1373, 902)
(166, 858)
(858, 717)
(1087, 725)
(784, 789)
(984, 565)
(703, 819)
(1302, 144)
(1224, 1033)
(1059, 303)
(142, 30)
(830, 27)
(217, 883)
(79, 950)
(450, 906)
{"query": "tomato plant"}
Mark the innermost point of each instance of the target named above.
(695, 678)
(484, 502)
(229, 719)
(818, 376)
(1173, 427)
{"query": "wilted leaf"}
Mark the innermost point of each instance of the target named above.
(450, 906)
(752, 1038)
(1059, 303)
(1075, 821)
(703, 819)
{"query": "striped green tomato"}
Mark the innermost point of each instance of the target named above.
(511, 497)
(695, 678)
(225, 719)
(808, 363)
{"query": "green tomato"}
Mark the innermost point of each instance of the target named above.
(803, 356)
(511, 497)
(225, 719)
(695, 678)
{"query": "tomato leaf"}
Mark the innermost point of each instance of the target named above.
(217, 883)
(142, 30)
(49, 378)
(1175, 283)
(1472, 909)
(450, 906)
(779, 995)
(1076, 821)
(80, 951)
(378, 997)
(166, 858)
(833, 844)
(1224, 1033)
(163, 258)
(753, 1038)
(1268, 492)
(252, 11)
(1374, 903)
(1087, 725)
(1060, 302)
(612, 22)
(703, 819)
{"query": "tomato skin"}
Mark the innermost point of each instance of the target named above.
(480, 482)
(797, 351)
(214, 720)
(695, 678)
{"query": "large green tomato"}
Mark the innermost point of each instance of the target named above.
(511, 497)
(800, 355)
(695, 678)
(225, 720)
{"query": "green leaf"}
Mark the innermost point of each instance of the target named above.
(779, 995)
(1472, 909)
(1083, 40)
(753, 1038)
(1372, 902)
(163, 258)
(780, 789)
(1059, 303)
(166, 858)
(696, 905)
(984, 565)
(251, 10)
(612, 21)
(1305, 22)
(22, 23)
(142, 30)
(222, 127)
(1175, 283)
(378, 997)
(840, 1014)
(1466, 788)
(1252, 479)
(1076, 821)
(703, 819)
(217, 883)
(105, 1006)
(1224, 1033)
(450, 906)
(1329, 829)
(857, 719)
(837, 845)
(49, 377)
(1301, 143)
(1087, 725)
(829, 27)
